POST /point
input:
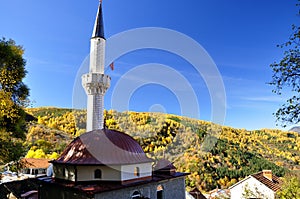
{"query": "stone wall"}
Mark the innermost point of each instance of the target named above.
(172, 189)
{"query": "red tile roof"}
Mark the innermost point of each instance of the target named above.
(274, 184)
(103, 147)
(34, 163)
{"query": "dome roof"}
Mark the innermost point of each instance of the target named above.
(103, 147)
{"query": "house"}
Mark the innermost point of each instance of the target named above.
(263, 184)
(34, 167)
(23, 184)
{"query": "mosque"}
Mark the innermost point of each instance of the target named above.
(105, 163)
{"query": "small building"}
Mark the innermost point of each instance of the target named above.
(263, 184)
(34, 167)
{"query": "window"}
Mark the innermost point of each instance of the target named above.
(159, 192)
(137, 171)
(98, 174)
(136, 195)
(65, 172)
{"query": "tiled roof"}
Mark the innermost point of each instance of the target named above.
(274, 184)
(103, 147)
(34, 163)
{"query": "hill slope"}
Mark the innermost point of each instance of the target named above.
(235, 154)
(295, 129)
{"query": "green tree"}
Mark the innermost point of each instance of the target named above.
(13, 97)
(286, 74)
(12, 71)
(12, 116)
(290, 188)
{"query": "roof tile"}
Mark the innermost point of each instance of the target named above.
(274, 184)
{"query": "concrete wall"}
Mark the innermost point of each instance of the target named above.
(51, 192)
(64, 172)
(128, 171)
(109, 173)
(251, 188)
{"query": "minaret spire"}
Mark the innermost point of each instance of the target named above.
(96, 82)
(99, 26)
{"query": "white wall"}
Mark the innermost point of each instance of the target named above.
(253, 186)
(109, 173)
(67, 174)
(128, 171)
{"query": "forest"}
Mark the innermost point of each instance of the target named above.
(215, 156)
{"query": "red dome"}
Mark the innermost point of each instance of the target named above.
(103, 147)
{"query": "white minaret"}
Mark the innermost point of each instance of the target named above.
(96, 82)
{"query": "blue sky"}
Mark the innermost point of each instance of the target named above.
(240, 36)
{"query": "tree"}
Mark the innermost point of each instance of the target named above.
(13, 96)
(12, 71)
(290, 188)
(286, 74)
(253, 192)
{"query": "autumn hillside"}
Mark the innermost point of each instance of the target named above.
(191, 144)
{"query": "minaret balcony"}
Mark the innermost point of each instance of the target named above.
(95, 83)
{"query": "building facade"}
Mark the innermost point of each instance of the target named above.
(110, 164)
(34, 167)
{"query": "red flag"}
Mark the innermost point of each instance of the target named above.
(112, 66)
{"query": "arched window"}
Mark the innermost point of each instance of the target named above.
(137, 171)
(159, 192)
(98, 174)
(136, 195)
